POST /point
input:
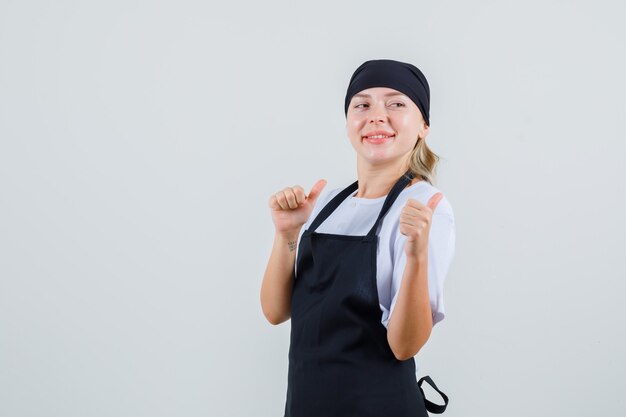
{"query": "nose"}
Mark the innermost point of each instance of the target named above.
(378, 114)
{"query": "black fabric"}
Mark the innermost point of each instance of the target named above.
(340, 362)
(401, 76)
(430, 406)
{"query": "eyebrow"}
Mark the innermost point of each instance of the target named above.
(395, 93)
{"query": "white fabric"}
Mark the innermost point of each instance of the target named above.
(356, 216)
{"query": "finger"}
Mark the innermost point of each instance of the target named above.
(299, 193)
(410, 211)
(404, 220)
(414, 204)
(316, 190)
(281, 199)
(273, 202)
(418, 229)
(413, 218)
(291, 198)
(434, 200)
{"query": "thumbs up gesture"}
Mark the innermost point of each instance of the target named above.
(291, 207)
(415, 221)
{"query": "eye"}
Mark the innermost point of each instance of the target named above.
(365, 104)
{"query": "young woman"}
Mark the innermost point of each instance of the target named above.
(360, 270)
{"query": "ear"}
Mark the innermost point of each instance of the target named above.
(425, 131)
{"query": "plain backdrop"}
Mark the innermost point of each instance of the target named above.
(141, 140)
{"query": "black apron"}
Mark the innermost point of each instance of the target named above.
(340, 363)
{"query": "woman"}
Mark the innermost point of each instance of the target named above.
(356, 270)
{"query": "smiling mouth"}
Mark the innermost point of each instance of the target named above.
(378, 138)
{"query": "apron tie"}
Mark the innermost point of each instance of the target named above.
(430, 406)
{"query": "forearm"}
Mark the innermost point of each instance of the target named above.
(277, 282)
(410, 324)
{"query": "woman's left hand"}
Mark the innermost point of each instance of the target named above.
(415, 221)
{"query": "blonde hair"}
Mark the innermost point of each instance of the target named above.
(423, 162)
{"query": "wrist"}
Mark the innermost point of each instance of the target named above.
(288, 235)
(421, 257)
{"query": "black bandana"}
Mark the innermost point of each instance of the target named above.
(401, 76)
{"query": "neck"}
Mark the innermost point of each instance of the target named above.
(377, 181)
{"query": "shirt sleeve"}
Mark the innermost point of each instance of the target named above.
(441, 247)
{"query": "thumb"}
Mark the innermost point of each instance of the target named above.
(316, 190)
(434, 200)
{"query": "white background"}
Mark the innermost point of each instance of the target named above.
(140, 142)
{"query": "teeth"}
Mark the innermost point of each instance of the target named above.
(378, 137)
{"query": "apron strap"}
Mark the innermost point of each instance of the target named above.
(400, 185)
(332, 205)
(430, 406)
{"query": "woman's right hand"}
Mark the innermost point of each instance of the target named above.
(291, 208)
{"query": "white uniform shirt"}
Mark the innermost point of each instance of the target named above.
(356, 216)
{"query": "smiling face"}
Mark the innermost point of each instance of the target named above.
(383, 111)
